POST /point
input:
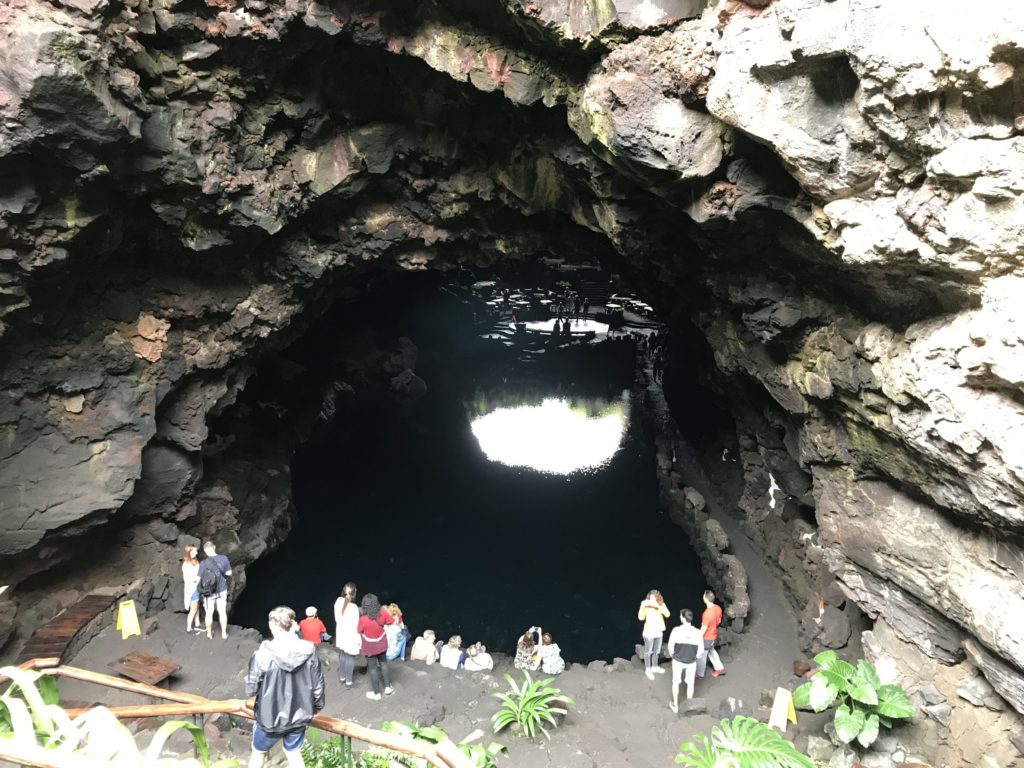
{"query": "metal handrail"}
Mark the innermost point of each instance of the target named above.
(444, 754)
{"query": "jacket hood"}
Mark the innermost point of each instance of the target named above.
(290, 652)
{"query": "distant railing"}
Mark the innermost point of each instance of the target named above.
(441, 755)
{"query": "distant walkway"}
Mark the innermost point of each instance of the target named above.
(57, 636)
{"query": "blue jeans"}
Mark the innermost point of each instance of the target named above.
(263, 741)
(399, 647)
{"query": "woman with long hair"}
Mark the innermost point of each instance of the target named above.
(346, 620)
(190, 575)
(653, 613)
(372, 621)
(527, 656)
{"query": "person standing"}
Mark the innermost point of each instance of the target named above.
(346, 621)
(190, 577)
(372, 620)
(313, 630)
(287, 688)
(709, 622)
(653, 613)
(685, 646)
(213, 587)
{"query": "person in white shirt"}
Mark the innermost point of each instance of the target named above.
(685, 645)
(478, 659)
(346, 620)
(551, 662)
(451, 654)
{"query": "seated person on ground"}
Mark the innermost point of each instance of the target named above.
(478, 659)
(396, 633)
(451, 654)
(423, 648)
(551, 662)
(526, 650)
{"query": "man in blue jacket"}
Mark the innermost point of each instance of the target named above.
(287, 684)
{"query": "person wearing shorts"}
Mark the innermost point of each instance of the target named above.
(286, 683)
(218, 601)
(685, 646)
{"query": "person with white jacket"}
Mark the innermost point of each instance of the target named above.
(190, 577)
(346, 619)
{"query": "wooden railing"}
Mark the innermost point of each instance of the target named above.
(442, 755)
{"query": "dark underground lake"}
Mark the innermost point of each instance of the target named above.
(401, 498)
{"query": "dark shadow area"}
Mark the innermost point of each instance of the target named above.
(400, 498)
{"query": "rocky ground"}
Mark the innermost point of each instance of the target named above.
(620, 719)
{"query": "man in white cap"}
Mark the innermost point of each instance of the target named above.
(313, 630)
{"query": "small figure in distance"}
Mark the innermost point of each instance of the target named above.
(213, 571)
(527, 656)
(685, 646)
(653, 613)
(478, 659)
(451, 653)
(287, 686)
(190, 576)
(423, 648)
(314, 631)
(551, 662)
(397, 633)
(372, 621)
(709, 622)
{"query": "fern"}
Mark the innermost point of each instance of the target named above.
(742, 743)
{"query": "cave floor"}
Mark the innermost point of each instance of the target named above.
(620, 717)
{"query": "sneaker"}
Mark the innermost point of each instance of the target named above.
(389, 690)
(649, 673)
(673, 707)
(717, 672)
(658, 670)
(372, 696)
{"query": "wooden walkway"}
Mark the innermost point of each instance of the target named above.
(53, 639)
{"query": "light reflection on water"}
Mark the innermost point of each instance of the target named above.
(555, 435)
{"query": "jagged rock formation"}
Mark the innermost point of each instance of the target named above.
(829, 194)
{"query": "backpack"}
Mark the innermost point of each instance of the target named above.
(208, 581)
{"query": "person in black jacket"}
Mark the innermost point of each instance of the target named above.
(287, 685)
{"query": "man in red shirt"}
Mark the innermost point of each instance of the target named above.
(313, 630)
(709, 622)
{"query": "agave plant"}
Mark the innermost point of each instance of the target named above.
(529, 705)
(865, 705)
(33, 726)
(742, 743)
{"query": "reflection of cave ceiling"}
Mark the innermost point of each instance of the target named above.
(829, 192)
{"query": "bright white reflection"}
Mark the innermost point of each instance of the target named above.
(557, 436)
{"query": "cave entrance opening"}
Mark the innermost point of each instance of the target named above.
(517, 488)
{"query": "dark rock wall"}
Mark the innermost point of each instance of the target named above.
(829, 193)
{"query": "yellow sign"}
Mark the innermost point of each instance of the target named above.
(128, 619)
(783, 710)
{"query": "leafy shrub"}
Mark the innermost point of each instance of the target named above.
(865, 704)
(530, 705)
(335, 752)
(33, 724)
(742, 743)
(481, 756)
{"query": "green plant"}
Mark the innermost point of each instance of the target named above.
(742, 743)
(328, 753)
(481, 756)
(530, 705)
(865, 705)
(35, 728)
